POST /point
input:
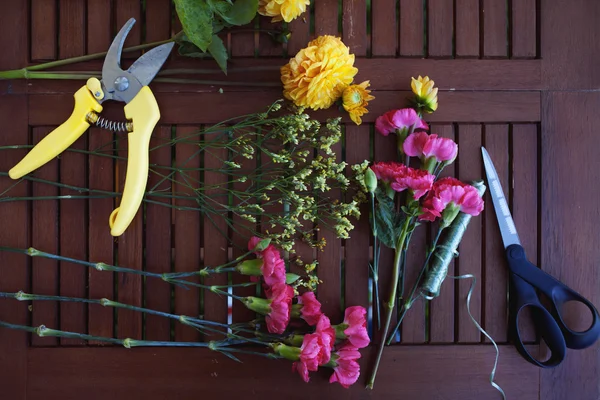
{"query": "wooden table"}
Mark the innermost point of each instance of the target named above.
(522, 80)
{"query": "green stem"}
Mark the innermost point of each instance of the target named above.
(411, 299)
(24, 72)
(389, 305)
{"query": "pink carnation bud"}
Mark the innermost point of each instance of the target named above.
(347, 369)
(311, 308)
(356, 331)
(399, 120)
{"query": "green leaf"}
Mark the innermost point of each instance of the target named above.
(242, 12)
(196, 18)
(387, 220)
(219, 52)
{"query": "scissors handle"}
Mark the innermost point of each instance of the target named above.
(558, 293)
(523, 296)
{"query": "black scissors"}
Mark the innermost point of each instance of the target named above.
(525, 279)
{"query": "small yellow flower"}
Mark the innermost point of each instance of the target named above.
(425, 93)
(317, 76)
(356, 99)
(286, 10)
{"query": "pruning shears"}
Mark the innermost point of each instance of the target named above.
(141, 111)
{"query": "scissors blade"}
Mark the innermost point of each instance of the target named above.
(112, 61)
(508, 229)
(147, 66)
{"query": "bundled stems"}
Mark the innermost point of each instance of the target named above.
(390, 304)
(411, 299)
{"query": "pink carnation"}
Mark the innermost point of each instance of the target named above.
(402, 177)
(450, 190)
(311, 308)
(398, 120)
(356, 332)
(420, 144)
(280, 296)
(316, 348)
(273, 267)
(347, 369)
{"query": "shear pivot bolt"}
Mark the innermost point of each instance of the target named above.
(121, 83)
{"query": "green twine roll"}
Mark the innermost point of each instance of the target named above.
(446, 251)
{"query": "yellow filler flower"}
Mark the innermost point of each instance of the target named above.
(425, 93)
(356, 99)
(317, 76)
(286, 10)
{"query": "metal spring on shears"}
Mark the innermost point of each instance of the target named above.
(112, 126)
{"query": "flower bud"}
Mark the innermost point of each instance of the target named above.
(257, 304)
(250, 267)
(370, 180)
(288, 352)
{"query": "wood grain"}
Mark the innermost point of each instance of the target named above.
(71, 34)
(467, 28)
(495, 28)
(43, 30)
(384, 36)
(524, 29)
(187, 229)
(354, 26)
(158, 237)
(440, 25)
(45, 236)
(411, 28)
(161, 372)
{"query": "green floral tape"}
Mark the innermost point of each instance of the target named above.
(493, 373)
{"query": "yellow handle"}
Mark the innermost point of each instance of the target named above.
(144, 112)
(61, 138)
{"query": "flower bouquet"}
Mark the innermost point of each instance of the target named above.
(408, 192)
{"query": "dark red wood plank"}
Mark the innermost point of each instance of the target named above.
(354, 26)
(130, 254)
(357, 248)
(495, 269)
(242, 41)
(158, 20)
(384, 36)
(43, 30)
(579, 19)
(71, 39)
(99, 36)
(458, 106)
(14, 268)
(495, 28)
(457, 369)
(100, 242)
(524, 29)
(413, 325)
(441, 309)
(570, 251)
(158, 237)
(440, 25)
(267, 47)
(411, 28)
(215, 237)
(470, 259)
(467, 28)
(300, 29)
(326, 18)
(73, 241)
(188, 241)
(44, 236)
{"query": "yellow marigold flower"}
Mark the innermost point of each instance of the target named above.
(356, 99)
(317, 76)
(425, 93)
(286, 10)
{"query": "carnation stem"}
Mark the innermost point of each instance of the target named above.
(411, 299)
(375, 268)
(389, 305)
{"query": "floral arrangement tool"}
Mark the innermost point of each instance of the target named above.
(526, 278)
(141, 110)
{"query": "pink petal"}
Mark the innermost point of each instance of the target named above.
(415, 143)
